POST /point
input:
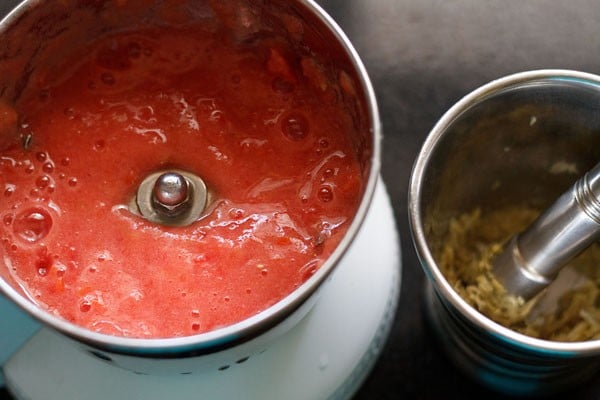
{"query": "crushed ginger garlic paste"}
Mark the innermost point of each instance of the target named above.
(472, 242)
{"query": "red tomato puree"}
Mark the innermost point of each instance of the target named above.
(263, 127)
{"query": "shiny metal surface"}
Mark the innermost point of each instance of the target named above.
(171, 191)
(516, 141)
(173, 198)
(532, 259)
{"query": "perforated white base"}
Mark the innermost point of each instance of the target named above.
(326, 356)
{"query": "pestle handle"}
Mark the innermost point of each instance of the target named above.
(532, 259)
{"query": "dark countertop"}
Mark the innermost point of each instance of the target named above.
(423, 56)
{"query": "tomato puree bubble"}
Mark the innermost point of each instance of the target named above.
(264, 122)
(32, 225)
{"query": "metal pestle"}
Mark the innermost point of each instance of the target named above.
(532, 259)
